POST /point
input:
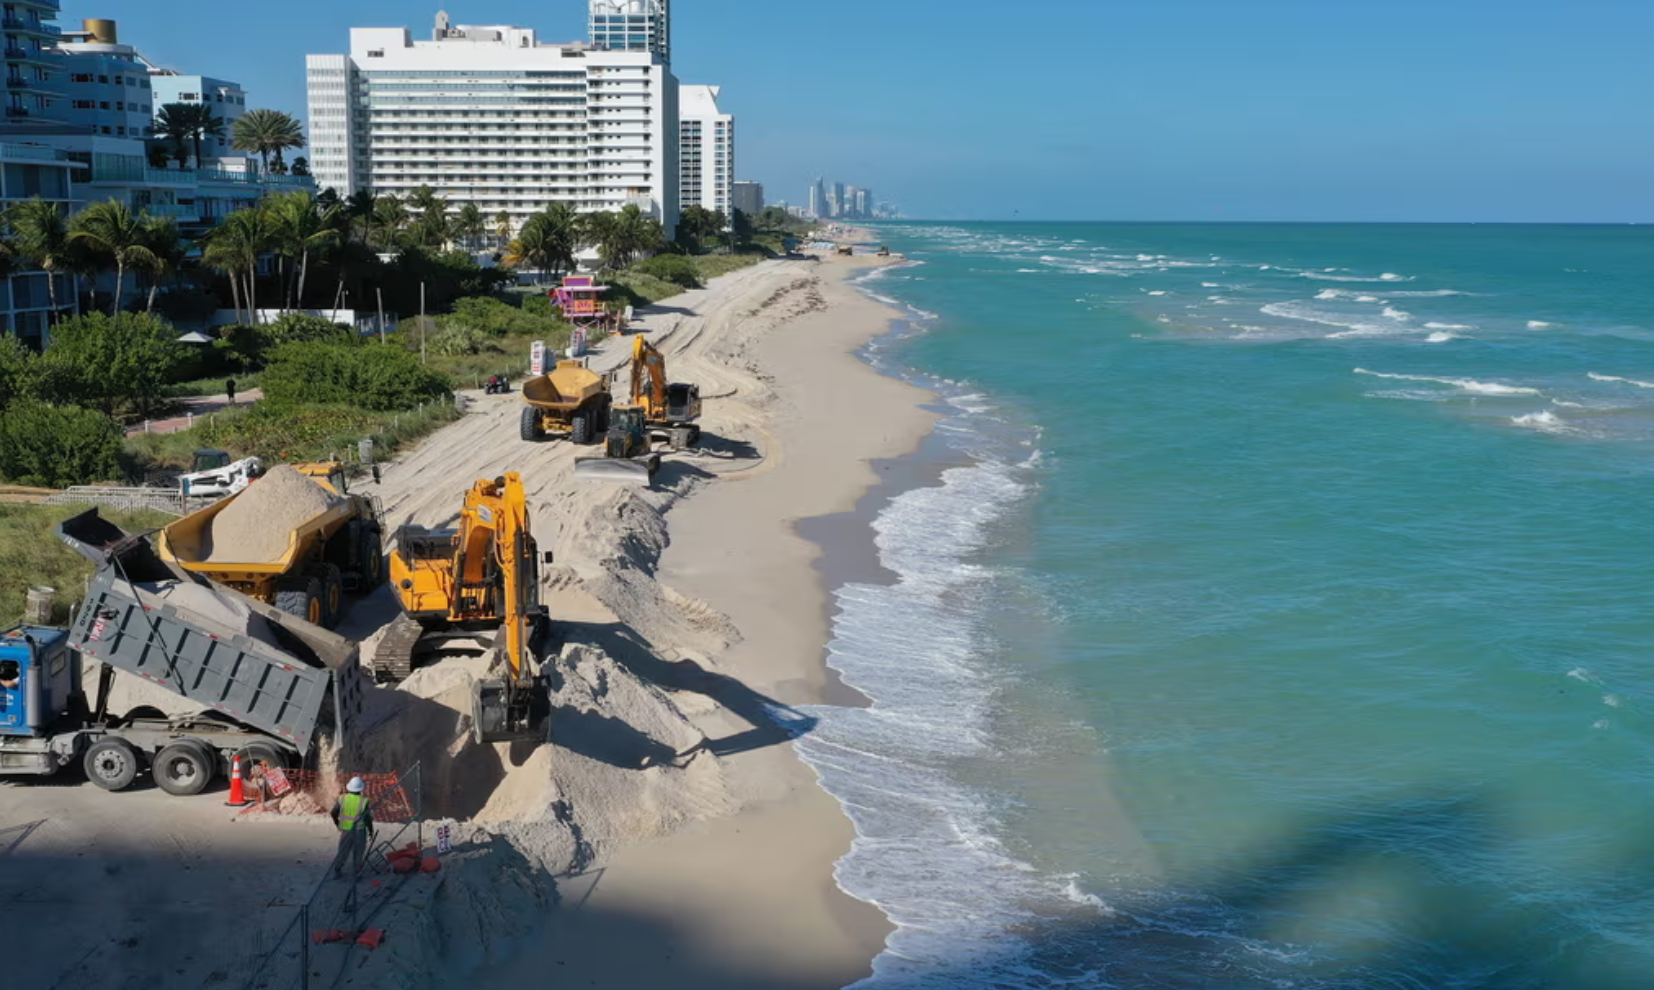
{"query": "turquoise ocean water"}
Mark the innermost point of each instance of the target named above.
(1284, 620)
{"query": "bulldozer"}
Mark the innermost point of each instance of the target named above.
(670, 408)
(453, 584)
(572, 399)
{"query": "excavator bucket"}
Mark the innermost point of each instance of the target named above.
(638, 471)
(503, 712)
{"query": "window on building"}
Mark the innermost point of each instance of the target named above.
(121, 106)
(104, 105)
(103, 79)
(81, 77)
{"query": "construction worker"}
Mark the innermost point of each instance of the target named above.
(355, 820)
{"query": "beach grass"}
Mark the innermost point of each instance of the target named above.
(31, 555)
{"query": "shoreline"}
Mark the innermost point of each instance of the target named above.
(751, 899)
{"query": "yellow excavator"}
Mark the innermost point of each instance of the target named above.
(454, 583)
(668, 407)
(659, 410)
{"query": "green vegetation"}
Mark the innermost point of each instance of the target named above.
(641, 284)
(183, 126)
(30, 554)
(292, 433)
(58, 446)
(674, 268)
(267, 134)
(369, 376)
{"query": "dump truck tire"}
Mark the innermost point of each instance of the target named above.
(184, 768)
(530, 425)
(580, 428)
(332, 591)
(112, 764)
(373, 559)
(301, 596)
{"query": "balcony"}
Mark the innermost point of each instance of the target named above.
(31, 151)
(17, 111)
(17, 24)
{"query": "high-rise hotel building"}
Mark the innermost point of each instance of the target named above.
(707, 150)
(493, 116)
(633, 26)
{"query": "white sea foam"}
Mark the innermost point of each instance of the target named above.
(1448, 326)
(1158, 292)
(925, 850)
(1324, 277)
(1544, 421)
(1466, 384)
(1397, 314)
(1539, 325)
(1439, 337)
(1616, 378)
(1352, 327)
(1430, 294)
(1368, 299)
(1210, 285)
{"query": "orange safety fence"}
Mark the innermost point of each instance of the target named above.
(311, 792)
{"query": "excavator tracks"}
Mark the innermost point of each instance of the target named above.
(393, 658)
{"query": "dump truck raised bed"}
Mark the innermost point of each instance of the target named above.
(334, 549)
(268, 684)
(573, 399)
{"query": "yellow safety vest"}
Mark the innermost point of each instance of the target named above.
(351, 809)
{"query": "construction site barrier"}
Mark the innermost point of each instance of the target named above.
(337, 911)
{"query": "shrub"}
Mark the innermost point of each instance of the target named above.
(499, 319)
(535, 304)
(102, 361)
(368, 376)
(18, 370)
(299, 328)
(672, 268)
(58, 446)
(457, 338)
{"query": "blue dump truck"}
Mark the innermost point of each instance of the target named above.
(268, 685)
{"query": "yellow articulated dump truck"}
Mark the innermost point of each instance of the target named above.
(573, 399)
(294, 538)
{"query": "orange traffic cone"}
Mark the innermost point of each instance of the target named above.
(238, 799)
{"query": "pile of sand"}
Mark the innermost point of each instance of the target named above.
(257, 525)
(625, 763)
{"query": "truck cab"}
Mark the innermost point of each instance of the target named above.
(39, 678)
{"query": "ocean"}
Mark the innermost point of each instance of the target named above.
(1277, 614)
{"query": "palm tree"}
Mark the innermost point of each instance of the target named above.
(266, 133)
(175, 123)
(431, 226)
(234, 248)
(621, 237)
(502, 227)
(167, 248)
(206, 125)
(302, 226)
(532, 248)
(468, 225)
(42, 235)
(112, 231)
(549, 240)
(390, 218)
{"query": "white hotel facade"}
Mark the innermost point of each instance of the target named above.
(493, 116)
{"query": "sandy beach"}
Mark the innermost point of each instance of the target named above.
(669, 834)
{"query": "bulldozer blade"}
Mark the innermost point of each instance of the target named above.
(503, 713)
(639, 471)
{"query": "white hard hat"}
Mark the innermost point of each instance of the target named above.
(355, 786)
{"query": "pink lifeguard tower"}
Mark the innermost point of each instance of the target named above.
(581, 301)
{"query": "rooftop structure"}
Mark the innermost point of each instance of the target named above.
(633, 26)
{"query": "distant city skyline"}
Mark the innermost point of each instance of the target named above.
(841, 201)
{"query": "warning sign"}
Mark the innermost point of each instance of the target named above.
(444, 838)
(276, 779)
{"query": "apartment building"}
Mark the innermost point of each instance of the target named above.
(490, 115)
(227, 100)
(28, 171)
(706, 150)
(29, 39)
(633, 26)
(749, 198)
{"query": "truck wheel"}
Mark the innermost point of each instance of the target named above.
(301, 596)
(112, 764)
(184, 768)
(603, 411)
(333, 592)
(530, 425)
(580, 428)
(273, 757)
(373, 559)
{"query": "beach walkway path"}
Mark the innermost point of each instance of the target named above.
(199, 405)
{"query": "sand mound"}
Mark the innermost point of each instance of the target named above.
(624, 761)
(256, 526)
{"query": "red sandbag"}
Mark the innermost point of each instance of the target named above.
(322, 935)
(430, 864)
(371, 937)
(404, 865)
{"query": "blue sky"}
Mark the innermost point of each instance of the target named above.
(1490, 110)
